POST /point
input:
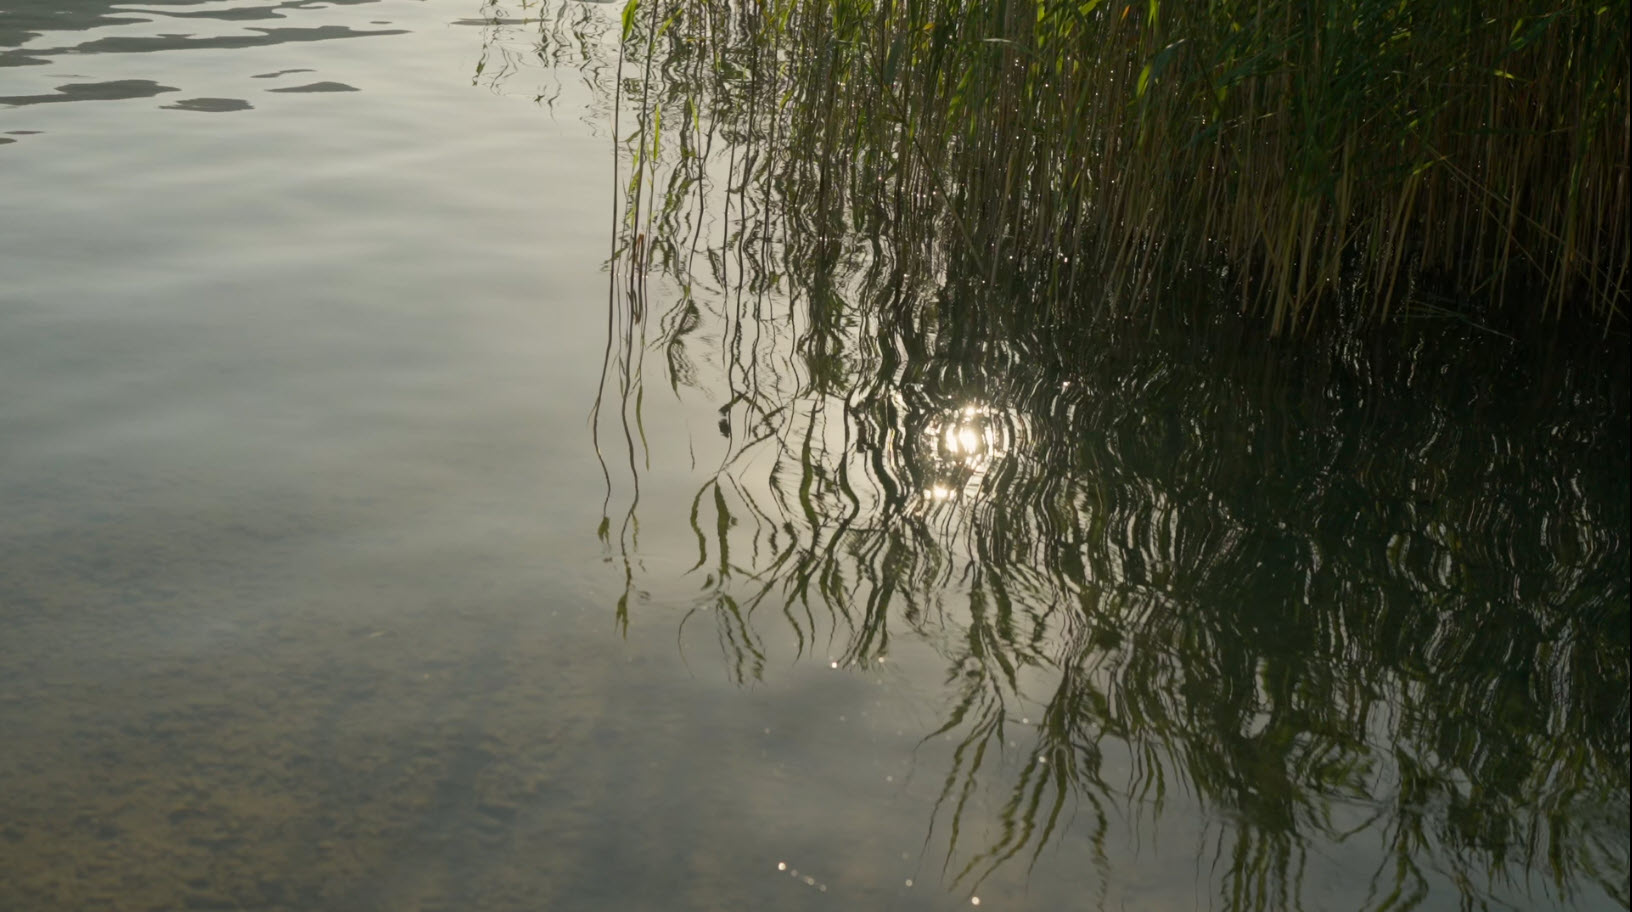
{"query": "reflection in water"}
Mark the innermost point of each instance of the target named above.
(317, 87)
(113, 90)
(210, 105)
(254, 37)
(23, 21)
(1362, 601)
(30, 30)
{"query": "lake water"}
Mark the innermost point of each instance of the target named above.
(361, 550)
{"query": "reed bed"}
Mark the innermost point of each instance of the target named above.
(1097, 155)
(1287, 586)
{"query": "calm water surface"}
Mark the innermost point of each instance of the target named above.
(325, 584)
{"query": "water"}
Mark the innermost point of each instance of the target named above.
(316, 593)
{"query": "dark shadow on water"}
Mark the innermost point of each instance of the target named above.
(113, 90)
(262, 38)
(318, 87)
(24, 22)
(210, 105)
(276, 74)
(36, 33)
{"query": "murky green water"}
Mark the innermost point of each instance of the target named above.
(316, 593)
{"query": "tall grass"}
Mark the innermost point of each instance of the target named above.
(1096, 154)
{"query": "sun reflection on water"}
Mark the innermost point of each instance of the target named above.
(959, 447)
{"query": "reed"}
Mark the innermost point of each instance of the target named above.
(1100, 155)
(1280, 576)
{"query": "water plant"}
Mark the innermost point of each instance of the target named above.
(1090, 156)
(1285, 580)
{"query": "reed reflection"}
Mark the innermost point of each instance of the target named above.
(1344, 594)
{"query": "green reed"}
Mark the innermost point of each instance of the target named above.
(1090, 153)
(1289, 587)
